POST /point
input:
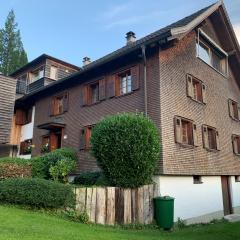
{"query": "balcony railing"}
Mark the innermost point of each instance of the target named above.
(23, 88)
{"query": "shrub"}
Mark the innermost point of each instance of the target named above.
(41, 164)
(62, 169)
(76, 216)
(14, 167)
(127, 148)
(91, 179)
(37, 193)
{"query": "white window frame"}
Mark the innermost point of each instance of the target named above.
(211, 41)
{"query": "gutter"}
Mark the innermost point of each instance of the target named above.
(143, 47)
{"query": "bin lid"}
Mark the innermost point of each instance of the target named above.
(165, 198)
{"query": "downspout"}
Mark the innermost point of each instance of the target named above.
(143, 47)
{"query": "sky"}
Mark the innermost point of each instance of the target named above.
(72, 29)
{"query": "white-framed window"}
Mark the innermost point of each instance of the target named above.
(125, 83)
(211, 53)
(37, 74)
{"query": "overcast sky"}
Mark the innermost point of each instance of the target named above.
(73, 29)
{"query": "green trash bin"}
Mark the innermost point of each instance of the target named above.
(164, 212)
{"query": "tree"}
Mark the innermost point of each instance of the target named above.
(12, 53)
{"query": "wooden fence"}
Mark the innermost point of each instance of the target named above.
(111, 205)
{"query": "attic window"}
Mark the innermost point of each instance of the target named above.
(211, 53)
(197, 179)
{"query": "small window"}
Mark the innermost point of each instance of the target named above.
(125, 85)
(94, 93)
(37, 74)
(236, 144)
(237, 178)
(59, 104)
(210, 138)
(45, 148)
(233, 109)
(53, 72)
(197, 179)
(85, 137)
(196, 89)
(26, 147)
(185, 131)
(211, 53)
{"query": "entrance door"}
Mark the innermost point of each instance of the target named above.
(227, 201)
(55, 140)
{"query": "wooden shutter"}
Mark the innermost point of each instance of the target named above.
(88, 131)
(84, 95)
(230, 107)
(178, 129)
(82, 138)
(29, 115)
(204, 93)
(111, 86)
(195, 137)
(135, 77)
(217, 140)
(189, 86)
(20, 117)
(65, 102)
(102, 89)
(205, 137)
(52, 107)
(235, 144)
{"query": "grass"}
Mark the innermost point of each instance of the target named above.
(23, 224)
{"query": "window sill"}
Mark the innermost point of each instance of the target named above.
(212, 150)
(202, 103)
(56, 115)
(225, 76)
(198, 183)
(186, 145)
(235, 119)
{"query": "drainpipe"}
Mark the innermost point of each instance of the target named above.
(145, 79)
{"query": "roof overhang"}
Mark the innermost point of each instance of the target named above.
(51, 126)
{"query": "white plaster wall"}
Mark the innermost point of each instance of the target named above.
(27, 129)
(235, 190)
(193, 200)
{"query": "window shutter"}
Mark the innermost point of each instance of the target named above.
(204, 93)
(102, 89)
(22, 147)
(82, 139)
(189, 86)
(217, 140)
(135, 77)
(205, 137)
(87, 137)
(84, 96)
(29, 115)
(51, 107)
(178, 129)
(65, 102)
(195, 137)
(20, 117)
(111, 86)
(235, 144)
(230, 107)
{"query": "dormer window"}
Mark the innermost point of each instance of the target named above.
(211, 53)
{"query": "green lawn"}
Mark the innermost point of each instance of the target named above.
(23, 224)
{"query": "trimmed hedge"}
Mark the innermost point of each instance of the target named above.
(14, 168)
(37, 193)
(42, 164)
(127, 148)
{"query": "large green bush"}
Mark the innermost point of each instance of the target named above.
(41, 164)
(37, 193)
(127, 148)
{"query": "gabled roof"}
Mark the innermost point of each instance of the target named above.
(174, 31)
(39, 60)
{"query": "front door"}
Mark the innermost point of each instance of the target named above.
(227, 200)
(55, 140)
